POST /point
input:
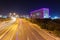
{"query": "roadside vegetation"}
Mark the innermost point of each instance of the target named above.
(49, 24)
(4, 19)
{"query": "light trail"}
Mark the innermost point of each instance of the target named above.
(21, 29)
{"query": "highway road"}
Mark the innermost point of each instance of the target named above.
(20, 30)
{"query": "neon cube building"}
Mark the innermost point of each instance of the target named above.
(40, 13)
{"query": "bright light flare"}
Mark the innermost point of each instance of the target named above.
(0, 15)
(55, 17)
(14, 13)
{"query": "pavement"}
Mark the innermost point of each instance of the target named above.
(23, 30)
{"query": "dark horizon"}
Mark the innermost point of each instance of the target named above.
(26, 6)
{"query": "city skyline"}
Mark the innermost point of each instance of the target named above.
(26, 6)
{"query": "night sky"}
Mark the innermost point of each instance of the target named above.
(26, 6)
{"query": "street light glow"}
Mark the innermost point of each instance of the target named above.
(14, 13)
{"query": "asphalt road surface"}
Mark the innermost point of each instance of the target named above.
(20, 30)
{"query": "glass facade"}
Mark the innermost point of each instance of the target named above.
(46, 13)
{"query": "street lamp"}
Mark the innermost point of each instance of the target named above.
(14, 13)
(10, 14)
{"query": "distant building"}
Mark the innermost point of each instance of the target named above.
(40, 13)
(24, 16)
(55, 17)
(4, 16)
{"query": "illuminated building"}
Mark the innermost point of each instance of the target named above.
(40, 13)
(24, 16)
(55, 17)
(4, 16)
